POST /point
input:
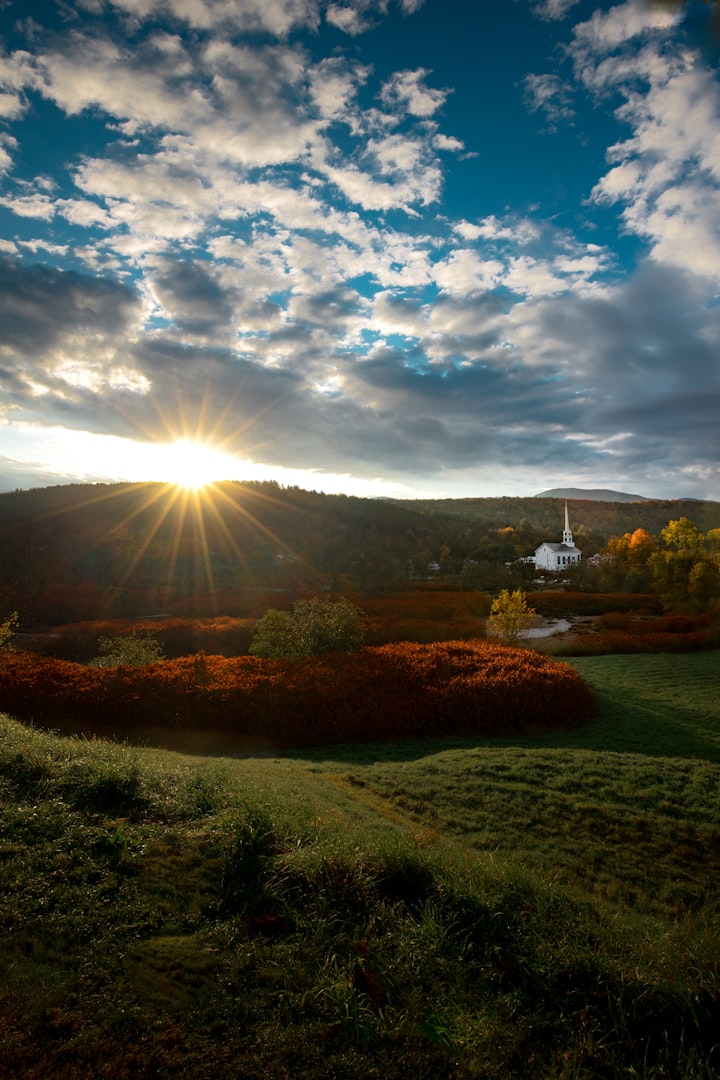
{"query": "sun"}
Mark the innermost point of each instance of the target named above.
(193, 465)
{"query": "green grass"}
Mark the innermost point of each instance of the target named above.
(542, 908)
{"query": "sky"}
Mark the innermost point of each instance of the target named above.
(404, 248)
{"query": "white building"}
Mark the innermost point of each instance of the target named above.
(558, 556)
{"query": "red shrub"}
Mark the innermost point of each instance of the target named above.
(387, 692)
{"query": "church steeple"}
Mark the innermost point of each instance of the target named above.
(567, 535)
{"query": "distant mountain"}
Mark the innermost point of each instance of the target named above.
(594, 494)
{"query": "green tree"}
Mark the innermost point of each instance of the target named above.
(313, 628)
(274, 636)
(684, 537)
(132, 650)
(704, 582)
(509, 616)
(682, 546)
(712, 540)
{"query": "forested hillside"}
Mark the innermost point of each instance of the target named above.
(589, 517)
(76, 551)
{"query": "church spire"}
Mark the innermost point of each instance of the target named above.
(567, 535)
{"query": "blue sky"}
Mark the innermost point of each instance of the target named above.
(385, 247)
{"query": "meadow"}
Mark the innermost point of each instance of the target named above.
(468, 907)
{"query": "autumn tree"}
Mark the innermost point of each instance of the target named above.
(640, 547)
(683, 568)
(509, 616)
(626, 562)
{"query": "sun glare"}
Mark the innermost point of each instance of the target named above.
(193, 465)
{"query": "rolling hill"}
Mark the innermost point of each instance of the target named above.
(596, 494)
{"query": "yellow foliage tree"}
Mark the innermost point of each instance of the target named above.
(509, 616)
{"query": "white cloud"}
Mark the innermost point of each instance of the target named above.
(6, 161)
(682, 225)
(43, 245)
(467, 230)
(465, 271)
(30, 206)
(522, 231)
(533, 277)
(150, 89)
(448, 143)
(547, 94)
(398, 315)
(608, 30)
(278, 17)
(356, 16)
(333, 86)
(421, 186)
(406, 91)
(348, 19)
(583, 265)
(83, 212)
(666, 175)
(554, 9)
(16, 73)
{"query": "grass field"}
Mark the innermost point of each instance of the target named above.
(539, 907)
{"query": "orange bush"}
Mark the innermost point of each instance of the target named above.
(386, 692)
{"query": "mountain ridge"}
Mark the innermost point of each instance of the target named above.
(593, 494)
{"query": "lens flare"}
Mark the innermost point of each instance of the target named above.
(193, 465)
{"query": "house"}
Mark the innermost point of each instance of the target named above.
(558, 556)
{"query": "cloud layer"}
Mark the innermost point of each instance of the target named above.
(243, 233)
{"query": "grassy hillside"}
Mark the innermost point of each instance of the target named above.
(542, 908)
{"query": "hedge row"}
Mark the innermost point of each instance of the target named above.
(387, 692)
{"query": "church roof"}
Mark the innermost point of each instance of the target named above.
(557, 547)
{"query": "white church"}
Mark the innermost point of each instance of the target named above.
(558, 556)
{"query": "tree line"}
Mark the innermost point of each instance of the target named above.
(82, 551)
(683, 565)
